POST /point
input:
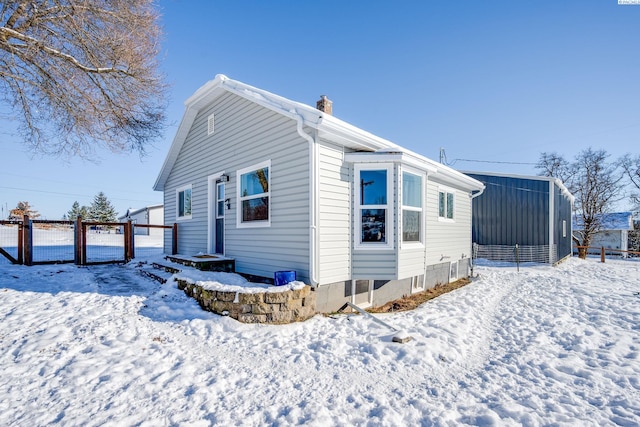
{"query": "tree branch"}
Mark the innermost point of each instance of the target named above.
(58, 54)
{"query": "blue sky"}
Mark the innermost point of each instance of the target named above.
(497, 81)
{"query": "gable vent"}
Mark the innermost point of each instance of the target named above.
(210, 124)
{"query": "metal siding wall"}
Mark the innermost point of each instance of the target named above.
(246, 134)
(562, 213)
(510, 211)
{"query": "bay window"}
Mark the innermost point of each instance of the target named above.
(412, 207)
(374, 222)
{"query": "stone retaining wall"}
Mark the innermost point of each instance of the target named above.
(264, 307)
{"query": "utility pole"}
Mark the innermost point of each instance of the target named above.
(442, 155)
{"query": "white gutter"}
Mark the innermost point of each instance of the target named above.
(258, 97)
(479, 193)
(473, 196)
(313, 204)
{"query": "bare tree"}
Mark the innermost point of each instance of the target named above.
(595, 183)
(555, 165)
(631, 166)
(81, 74)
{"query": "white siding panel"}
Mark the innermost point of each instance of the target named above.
(411, 262)
(334, 220)
(246, 134)
(447, 241)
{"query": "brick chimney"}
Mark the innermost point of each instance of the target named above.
(325, 105)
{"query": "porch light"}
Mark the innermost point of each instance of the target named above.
(224, 178)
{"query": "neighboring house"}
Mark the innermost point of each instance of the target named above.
(282, 186)
(533, 212)
(613, 234)
(148, 215)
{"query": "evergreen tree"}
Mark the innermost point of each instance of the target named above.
(77, 210)
(22, 209)
(101, 210)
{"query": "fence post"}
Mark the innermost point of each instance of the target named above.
(20, 243)
(602, 254)
(517, 258)
(77, 241)
(128, 241)
(27, 245)
(174, 239)
(77, 230)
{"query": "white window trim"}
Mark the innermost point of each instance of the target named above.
(212, 207)
(420, 243)
(178, 191)
(390, 216)
(367, 303)
(454, 265)
(415, 280)
(446, 190)
(239, 198)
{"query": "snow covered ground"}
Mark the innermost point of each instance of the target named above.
(103, 346)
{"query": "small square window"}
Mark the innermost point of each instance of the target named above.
(446, 204)
(453, 271)
(183, 202)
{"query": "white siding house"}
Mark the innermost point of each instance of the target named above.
(279, 185)
(613, 233)
(153, 215)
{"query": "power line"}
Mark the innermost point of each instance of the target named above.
(70, 194)
(443, 160)
(74, 183)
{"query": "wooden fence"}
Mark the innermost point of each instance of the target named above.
(24, 241)
(584, 250)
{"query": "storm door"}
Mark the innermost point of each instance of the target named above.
(219, 236)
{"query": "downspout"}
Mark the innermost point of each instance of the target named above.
(552, 213)
(313, 194)
(473, 196)
(313, 184)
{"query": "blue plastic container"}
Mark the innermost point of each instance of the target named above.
(283, 277)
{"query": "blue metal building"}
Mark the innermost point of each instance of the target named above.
(532, 212)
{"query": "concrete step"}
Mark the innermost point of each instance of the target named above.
(157, 272)
(167, 268)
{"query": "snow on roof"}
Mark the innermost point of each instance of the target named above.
(327, 126)
(611, 221)
(131, 211)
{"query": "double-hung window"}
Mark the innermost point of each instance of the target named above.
(446, 204)
(254, 193)
(412, 197)
(183, 202)
(374, 222)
